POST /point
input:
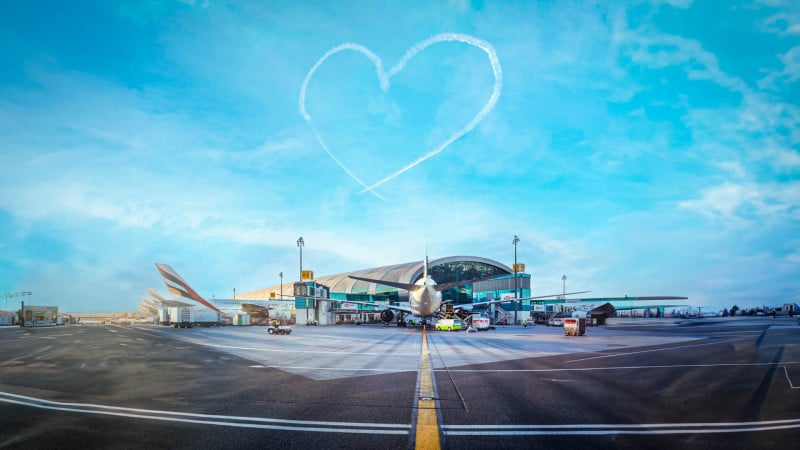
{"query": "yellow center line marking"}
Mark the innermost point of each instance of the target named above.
(427, 431)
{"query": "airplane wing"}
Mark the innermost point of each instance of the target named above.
(628, 299)
(629, 307)
(469, 307)
(551, 295)
(380, 306)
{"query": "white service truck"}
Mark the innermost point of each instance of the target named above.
(480, 323)
(189, 316)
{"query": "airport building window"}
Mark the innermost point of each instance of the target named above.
(458, 295)
(463, 270)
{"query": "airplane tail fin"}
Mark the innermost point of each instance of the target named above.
(156, 296)
(177, 286)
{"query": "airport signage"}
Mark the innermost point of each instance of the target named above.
(352, 306)
(307, 275)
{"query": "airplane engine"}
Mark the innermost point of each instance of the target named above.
(387, 315)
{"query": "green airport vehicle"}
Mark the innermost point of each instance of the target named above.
(448, 324)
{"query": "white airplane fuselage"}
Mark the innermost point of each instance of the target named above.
(425, 300)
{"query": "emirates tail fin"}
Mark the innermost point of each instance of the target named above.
(178, 286)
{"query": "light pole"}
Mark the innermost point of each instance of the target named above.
(281, 275)
(516, 293)
(234, 293)
(564, 291)
(22, 294)
(300, 245)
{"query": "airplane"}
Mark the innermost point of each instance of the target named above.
(425, 298)
(264, 309)
(157, 301)
(148, 307)
(162, 302)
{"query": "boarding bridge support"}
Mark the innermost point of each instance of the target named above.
(310, 303)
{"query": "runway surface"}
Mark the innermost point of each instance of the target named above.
(731, 383)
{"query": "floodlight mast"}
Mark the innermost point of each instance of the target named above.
(300, 244)
(516, 283)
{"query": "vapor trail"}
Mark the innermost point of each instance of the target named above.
(345, 168)
(498, 86)
(384, 77)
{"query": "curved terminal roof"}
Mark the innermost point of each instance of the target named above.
(442, 270)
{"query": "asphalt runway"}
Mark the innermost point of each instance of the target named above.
(704, 384)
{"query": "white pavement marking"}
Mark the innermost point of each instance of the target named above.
(210, 419)
(786, 371)
(658, 350)
(402, 429)
(605, 429)
(589, 369)
(41, 350)
(739, 332)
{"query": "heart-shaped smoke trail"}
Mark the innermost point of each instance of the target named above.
(384, 77)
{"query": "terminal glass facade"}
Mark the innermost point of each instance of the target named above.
(454, 271)
(450, 272)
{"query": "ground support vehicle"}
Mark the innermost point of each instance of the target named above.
(480, 323)
(448, 324)
(180, 317)
(574, 327)
(279, 330)
(189, 316)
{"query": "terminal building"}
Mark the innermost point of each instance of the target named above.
(39, 315)
(443, 270)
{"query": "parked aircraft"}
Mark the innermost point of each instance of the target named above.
(226, 307)
(425, 298)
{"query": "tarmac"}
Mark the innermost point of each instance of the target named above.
(709, 384)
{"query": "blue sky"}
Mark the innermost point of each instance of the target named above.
(647, 148)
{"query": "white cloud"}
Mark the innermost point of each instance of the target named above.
(735, 168)
(786, 22)
(782, 160)
(776, 80)
(791, 63)
(656, 50)
(741, 204)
